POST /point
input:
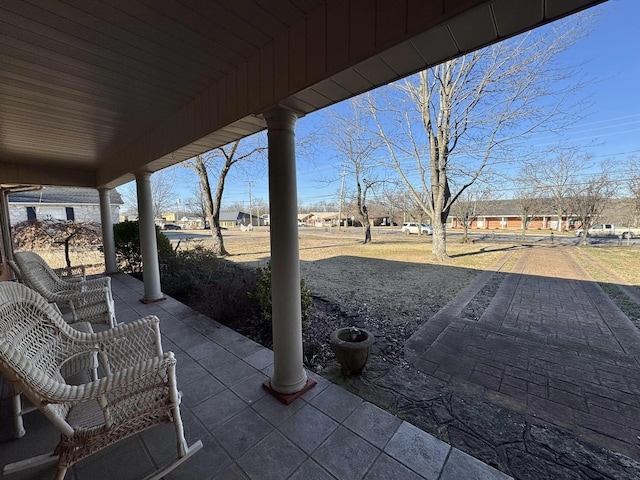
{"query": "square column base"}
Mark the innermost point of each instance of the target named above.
(287, 398)
(152, 300)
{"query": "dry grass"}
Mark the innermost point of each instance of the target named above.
(624, 261)
(394, 275)
(91, 258)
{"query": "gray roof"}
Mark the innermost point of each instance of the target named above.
(232, 216)
(510, 208)
(63, 195)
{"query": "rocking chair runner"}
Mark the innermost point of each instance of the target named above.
(89, 300)
(137, 391)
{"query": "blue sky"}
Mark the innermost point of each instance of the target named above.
(609, 129)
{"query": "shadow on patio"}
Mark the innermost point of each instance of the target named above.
(327, 433)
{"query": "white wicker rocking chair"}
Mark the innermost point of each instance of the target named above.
(137, 390)
(88, 300)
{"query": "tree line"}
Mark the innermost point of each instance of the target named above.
(438, 143)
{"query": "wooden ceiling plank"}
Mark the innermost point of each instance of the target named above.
(123, 58)
(98, 66)
(47, 70)
(261, 19)
(220, 22)
(96, 98)
(97, 23)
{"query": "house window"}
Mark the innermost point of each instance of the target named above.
(31, 214)
(70, 215)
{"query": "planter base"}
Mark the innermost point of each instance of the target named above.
(352, 347)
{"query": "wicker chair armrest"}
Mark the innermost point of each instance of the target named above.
(72, 274)
(76, 293)
(94, 306)
(128, 344)
(96, 283)
(110, 385)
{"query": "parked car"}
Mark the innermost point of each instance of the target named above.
(171, 226)
(607, 229)
(414, 227)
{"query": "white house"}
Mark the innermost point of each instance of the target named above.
(61, 203)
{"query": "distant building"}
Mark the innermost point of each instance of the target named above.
(319, 219)
(236, 219)
(61, 203)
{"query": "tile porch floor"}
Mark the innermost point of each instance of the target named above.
(328, 433)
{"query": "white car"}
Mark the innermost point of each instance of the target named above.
(414, 227)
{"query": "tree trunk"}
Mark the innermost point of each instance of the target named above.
(367, 233)
(215, 214)
(66, 252)
(213, 209)
(559, 213)
(439, 249)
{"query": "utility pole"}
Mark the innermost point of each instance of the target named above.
(344, 172)
(250, 182)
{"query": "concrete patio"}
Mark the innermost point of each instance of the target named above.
(327, 433)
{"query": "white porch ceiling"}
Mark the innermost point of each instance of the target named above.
(91, 91)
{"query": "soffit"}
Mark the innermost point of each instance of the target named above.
(91, 91)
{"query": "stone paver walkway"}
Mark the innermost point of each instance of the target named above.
(550, 345)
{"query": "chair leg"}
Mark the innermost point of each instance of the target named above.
(33, 462)
(60, 473)
(17, 415)
(177, 423)
(188, 453)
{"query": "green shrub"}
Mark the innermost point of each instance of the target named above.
(211, 285)
(127, 242)
(262, 295)
(190, 271)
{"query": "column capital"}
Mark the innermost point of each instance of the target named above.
(281, 118)
(142, 175)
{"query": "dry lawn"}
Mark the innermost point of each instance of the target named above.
(394, 275)
(624, 261)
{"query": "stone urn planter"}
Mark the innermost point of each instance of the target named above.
(352, 347)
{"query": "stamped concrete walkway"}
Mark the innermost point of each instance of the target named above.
(551, 345)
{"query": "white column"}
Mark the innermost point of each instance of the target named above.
(7, 244)
(108, 243)
(289, 375)
(148, 245)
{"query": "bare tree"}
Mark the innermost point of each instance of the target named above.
(554, 178)
(236, 207)
(469, 207)
(30, 235)
(197, 204)
(391, 201)
(633, 184)
(530, 203)
(447, 126)
(162, 194)
(224, 157)
(587, 200)
(350, 137)
(261, 207)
